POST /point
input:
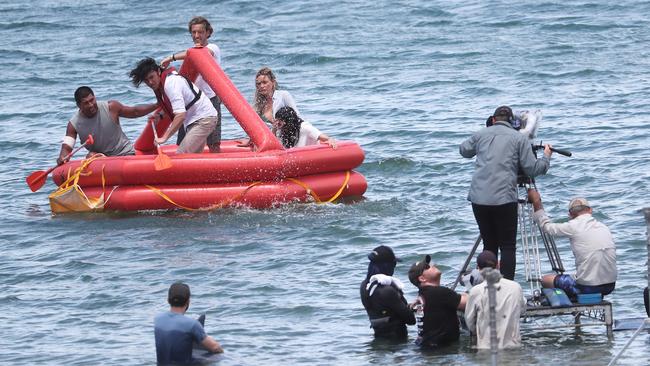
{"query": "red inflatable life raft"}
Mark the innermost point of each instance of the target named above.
(265, 177)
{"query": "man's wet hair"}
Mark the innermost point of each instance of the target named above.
(142, 69)
(178, 294)
(200, 20)
(81, 93)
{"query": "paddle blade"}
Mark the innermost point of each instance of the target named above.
(36, 180)
(162, 162)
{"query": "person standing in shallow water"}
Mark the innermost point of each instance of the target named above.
(509, 307)
(439, 323)
(175, 333)
(382, 296)
(200, 30)
(501, 153)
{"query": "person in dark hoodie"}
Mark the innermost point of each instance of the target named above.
(382, 296)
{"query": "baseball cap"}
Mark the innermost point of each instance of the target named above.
(578, 204)
(383, 254)
(417, 268)
(179, 294)
(486, 259)
(504, 111)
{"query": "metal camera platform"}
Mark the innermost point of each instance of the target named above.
(538, 316)
(583, 315)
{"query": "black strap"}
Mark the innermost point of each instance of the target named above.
(197, 96)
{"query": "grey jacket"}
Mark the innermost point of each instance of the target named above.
(500, 152)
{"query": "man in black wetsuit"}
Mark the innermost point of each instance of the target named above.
(382, 297)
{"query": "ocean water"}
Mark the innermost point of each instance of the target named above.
(407, 80)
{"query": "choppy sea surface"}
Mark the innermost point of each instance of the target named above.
(407, 80)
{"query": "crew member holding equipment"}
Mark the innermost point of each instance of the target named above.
(501, 153)
(175, 332)
(592, 246)
(382, 296)
(510, 305)
(102, 121)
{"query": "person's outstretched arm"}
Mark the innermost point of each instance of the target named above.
(211, 345)
(327, 140)
(126, 111)
(468, 148)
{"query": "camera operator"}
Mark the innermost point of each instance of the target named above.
(501, 152)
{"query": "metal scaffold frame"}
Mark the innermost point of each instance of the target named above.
(581, 315)
(646, 322)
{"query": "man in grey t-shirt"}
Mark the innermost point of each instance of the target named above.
(102, 121)
(592, 246)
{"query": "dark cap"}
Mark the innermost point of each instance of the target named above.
(179, 294)
(383, 254)
(504, 111)
(417, 268)
(486, 259)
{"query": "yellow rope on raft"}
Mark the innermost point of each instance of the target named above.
(313, 194)
(208, 208)
(242, 193)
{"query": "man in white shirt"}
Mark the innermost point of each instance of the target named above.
(200, 29)
(510, 305)
(592, 246)
(182, 101)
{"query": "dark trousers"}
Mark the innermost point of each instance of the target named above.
(646, 300)
(498, 227)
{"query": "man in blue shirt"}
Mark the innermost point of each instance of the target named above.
(175, 333)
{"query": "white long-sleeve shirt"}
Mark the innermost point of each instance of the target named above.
(592, 246)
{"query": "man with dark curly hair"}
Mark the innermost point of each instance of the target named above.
(182, 101)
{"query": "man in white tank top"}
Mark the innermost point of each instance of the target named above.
(200, 30)
(102, 121)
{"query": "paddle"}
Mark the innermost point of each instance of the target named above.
(162, 161)
(36, 180)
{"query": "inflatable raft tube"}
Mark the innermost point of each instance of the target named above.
(206, 168)
(319, 188)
